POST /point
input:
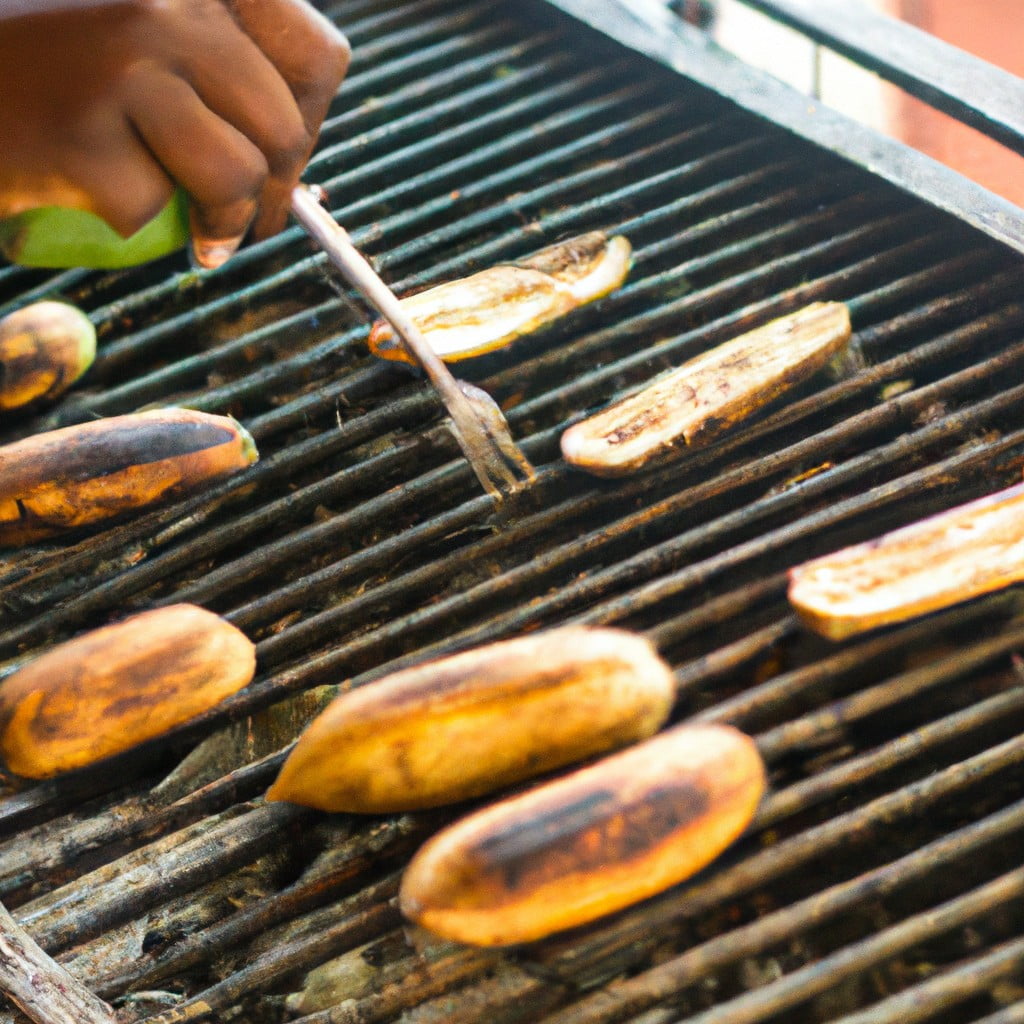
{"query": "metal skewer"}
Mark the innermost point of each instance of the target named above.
(477, 422)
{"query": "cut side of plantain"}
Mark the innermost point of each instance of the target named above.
(940, 561)
(478, 314)
(709, 394)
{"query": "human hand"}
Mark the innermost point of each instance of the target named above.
(109, 105)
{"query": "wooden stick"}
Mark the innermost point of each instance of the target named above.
(39, 986)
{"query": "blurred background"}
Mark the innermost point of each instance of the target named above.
(990, 29)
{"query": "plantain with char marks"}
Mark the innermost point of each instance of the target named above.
(85, 474)
(589, 843)
(44, 349)
(462, 726)
(109, 690)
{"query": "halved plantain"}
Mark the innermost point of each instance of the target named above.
(462, 726)
(81, 475)
(488, 310)
(709, 394)
(940, 561)
(109, 690)
(595, 841)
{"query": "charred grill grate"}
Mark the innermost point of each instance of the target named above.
(882, 880)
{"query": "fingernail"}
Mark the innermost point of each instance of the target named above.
(213, 254)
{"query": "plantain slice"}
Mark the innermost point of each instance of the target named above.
(488, 310)
(116, 687)
(462, 726)
(590, 843)
(81, 475)
(937, 562)
(44, 348)
(709, 394)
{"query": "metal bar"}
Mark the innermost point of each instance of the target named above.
(632, 995)
(1010, 1015)
(974, 978)
(837, 715)
(649, 28)
(116, 892)
(569, 958)
(826, 674)
(901, 751)
(301, 904)
(819, 977)
(52, 851)
(419, 985)
(944, 76)
(344, 934)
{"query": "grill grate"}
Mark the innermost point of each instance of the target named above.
(881, 881)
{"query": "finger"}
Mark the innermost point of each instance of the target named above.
(131, 197)
(308, 51)
(312, 56)
(220, 169)
(245, 89)
(238, 82)
(122, 184)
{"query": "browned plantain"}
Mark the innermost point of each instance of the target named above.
(492, 308)
(116, 687)
(590, 843)
(44, 349)
(940, 561)
(465, 725)
(85, 474)
(707, 395)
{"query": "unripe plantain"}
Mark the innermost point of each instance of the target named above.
(58, 236)
(116, 687)
(465, 725)
(44, 349)
(81, 475)
(590, 843)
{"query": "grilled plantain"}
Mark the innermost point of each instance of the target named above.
(707, 395)
(937, 562)
(84, 474)
(465, 725)
(116, 687)
(44, 349)
(587, 844)
(483, 312)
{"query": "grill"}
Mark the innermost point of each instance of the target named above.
(881, 880)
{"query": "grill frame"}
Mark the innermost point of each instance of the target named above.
(969, 89)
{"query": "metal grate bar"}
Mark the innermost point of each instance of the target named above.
(212, 847)
(36, 860)
(816, 978)
(975, 978)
